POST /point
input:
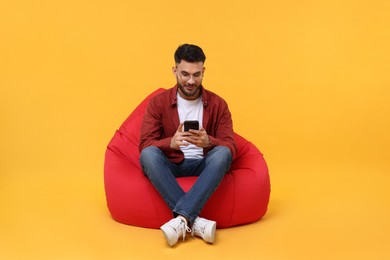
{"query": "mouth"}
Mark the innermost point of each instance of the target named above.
(190, 88)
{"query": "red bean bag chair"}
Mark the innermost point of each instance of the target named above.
(241, 198)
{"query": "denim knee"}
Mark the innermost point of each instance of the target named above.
(221, 153)
(148, 151)
(149, 154)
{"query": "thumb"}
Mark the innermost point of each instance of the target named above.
(180, 128)
(202, 129)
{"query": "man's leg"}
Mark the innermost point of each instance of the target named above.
(216, 164)
(161, 173)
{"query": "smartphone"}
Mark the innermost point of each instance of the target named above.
(191, 124)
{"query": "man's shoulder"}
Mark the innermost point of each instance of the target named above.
(213, 97)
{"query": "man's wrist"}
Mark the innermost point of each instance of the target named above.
(208, 143)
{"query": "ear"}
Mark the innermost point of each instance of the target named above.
(174, 70)
(203, 69)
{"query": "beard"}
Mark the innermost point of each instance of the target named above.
(191, 91)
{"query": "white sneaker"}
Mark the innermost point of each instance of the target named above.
(175, 228)
(205, 229)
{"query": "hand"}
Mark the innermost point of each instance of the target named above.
(180, 138)
(199, 138)
(196, 137)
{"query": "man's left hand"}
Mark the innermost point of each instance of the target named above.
(199, 138)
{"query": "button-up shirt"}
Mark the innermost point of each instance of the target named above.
(161, 121)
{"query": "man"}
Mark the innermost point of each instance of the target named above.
(168, 152)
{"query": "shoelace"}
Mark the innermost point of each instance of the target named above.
(184, 228)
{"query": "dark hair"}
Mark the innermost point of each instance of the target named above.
(189, 53)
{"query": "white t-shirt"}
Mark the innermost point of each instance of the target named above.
(190, 110)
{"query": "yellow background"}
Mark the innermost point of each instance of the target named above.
(306, 81)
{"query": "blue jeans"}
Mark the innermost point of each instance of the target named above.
(163, 173)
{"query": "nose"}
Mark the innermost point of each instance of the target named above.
(191, 80)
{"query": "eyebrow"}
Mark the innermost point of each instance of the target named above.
(183, 71)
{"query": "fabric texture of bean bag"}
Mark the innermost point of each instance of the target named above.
(241, 198)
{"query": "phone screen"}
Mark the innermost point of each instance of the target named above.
(191, 124)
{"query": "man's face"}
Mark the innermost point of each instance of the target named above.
(189, 77)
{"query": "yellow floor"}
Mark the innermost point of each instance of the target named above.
(316, 212)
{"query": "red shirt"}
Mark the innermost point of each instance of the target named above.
(161, 121)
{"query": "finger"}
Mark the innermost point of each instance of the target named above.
(186, 134)
(180, 128)
(190, 140)
(202, 130)
(193, 131)
(181, 143)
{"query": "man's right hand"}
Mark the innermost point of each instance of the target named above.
(179, 138)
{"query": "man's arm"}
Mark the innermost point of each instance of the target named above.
(224, 135)
(152, 130)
